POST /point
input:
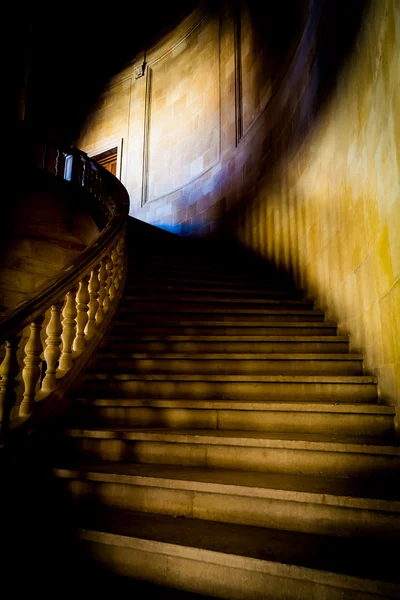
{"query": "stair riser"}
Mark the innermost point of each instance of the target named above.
(160, 312)
(231, 367)
(229, 581)
(199, 346)
(337, 392)
(189, 276)
(154, 328)
(273, 513)
(289, 422)
(191, 282)
(272, 460)
(178, 304)
(144, 287)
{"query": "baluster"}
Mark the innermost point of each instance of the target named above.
(57, 163)
(68, 330)
(31, 371)
(52, 351)
(102, 292)
(122, 256)
(82, 306)
(116, 261)
(8, 371)
(94, 286)
(109, 268)
(82, 172)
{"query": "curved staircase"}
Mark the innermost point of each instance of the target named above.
(225, 442)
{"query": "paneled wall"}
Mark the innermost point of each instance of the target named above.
(181, 117)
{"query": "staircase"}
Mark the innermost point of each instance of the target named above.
(226, 443)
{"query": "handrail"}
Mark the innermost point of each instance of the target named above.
(51, 335)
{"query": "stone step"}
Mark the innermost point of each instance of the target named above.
(165, 300)
(215, 327)
(221, 281)
(216, 266)
(339, 419)
(239, 562)
(296, 454)
(309, 344)
(250, 387)
(232, 364)
(214, 271)
(149, 288)
(306, 504)
(162, 311)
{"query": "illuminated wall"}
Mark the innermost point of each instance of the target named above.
(330, 211)
(180, 120)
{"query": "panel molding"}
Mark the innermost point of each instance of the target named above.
(157, 59)
(237, 22)
(146, 137)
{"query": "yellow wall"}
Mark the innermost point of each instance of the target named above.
(332, 213)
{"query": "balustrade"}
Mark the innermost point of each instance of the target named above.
(77, 306)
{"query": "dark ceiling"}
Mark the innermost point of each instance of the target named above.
(76, 48)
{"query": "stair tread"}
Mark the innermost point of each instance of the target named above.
(213, 323)
(232, 356)
(375, 494)
(168, 286)
(177, 299)
(161, 309)
(264, 405)
(239, 338)
(300, 441)
(350, 379)
(324, 553)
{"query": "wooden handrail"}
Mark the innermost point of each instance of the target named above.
(50, 336)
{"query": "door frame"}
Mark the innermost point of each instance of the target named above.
(116, 143)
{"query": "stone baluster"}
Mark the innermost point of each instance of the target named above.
(108, 298)
(82, 307)
(115, 257)
(68, 330)
(8, 371)
(122, 256)
(57, 163)
(82, 173)
(94, 286)
(102, 291)
(31, 371)
(52, 351)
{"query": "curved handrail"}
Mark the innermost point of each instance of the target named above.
(77, 304)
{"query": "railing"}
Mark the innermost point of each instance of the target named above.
(50, 337)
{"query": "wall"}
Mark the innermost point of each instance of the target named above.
(330, 212)
(307, 169)
(203, 88)
(47, 226)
